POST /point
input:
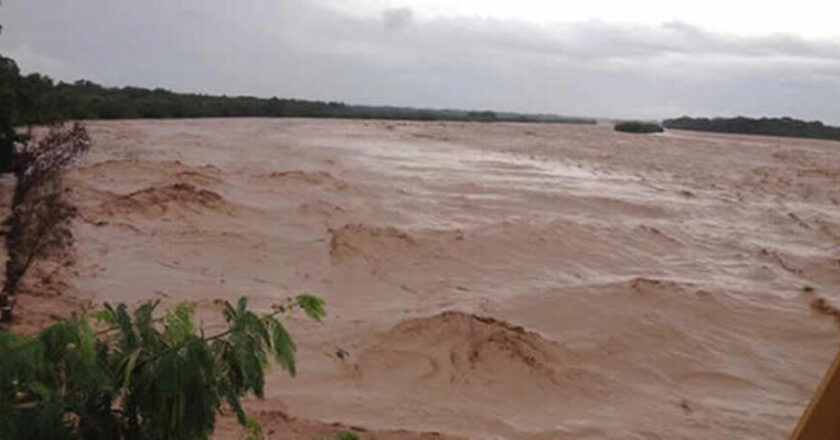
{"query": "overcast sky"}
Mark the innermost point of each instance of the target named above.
(649, 59)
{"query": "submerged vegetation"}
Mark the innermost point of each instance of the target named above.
(788, 127)
(111, 374)
(638, 127)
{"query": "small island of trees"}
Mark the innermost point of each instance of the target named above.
(638, 127)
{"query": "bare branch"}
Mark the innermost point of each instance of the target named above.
(40, 219)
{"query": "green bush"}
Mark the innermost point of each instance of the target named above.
(142, 377)
(638, 127)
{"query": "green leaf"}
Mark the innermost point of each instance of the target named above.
(233, 401)
(40, 389)
(242, 305)
(179, 323)
(229, 312)
(131, 362)
(87, 342)
(128, 337)
(254, 429)
(168, 375)
(312, 305)
(107, 315)
(284, 348)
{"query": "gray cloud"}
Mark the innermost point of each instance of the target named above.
(397, 18)
(303, 49)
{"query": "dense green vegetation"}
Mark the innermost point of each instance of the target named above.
(39, 99)
(112, 375)
(788, 127)
(638, 127)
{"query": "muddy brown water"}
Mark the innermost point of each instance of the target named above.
(516, 281)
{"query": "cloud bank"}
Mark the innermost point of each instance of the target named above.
(305, 49)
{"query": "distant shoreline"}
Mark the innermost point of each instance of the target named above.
(784, 127)
(86, 100)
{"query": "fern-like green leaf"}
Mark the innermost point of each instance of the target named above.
(233, 401)
(127, 336)
(130, 363)
(87, 342)
(283, 347)
(179, 323)
(312, 305)
(144, 322)
(105, 316)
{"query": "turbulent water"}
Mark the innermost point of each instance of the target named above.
(516, 281)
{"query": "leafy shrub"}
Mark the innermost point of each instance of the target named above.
(142, 377)
(638, 127)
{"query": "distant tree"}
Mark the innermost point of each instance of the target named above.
(36, 100)
(8, 113)
(9, 77)
(484, 116)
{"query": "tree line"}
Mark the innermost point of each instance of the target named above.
(787, 127)
(39, 99)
